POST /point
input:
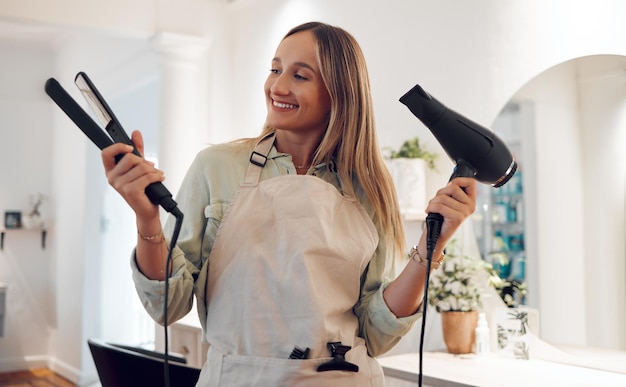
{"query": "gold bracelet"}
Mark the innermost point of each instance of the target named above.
(414, 254)
(156, 238)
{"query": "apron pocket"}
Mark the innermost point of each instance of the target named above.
(257, 371)
(253, 371)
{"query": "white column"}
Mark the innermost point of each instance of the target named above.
(182, 91)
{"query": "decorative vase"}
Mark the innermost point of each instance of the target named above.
(409, 177)
(514, 334)
(459, 330)
(32, 221)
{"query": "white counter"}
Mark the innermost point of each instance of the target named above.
(584, 368)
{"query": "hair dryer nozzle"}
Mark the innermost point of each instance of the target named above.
(463, 139)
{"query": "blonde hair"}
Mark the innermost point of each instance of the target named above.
(350, 139)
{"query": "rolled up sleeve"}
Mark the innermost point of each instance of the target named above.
(379, 327)
(152, 292)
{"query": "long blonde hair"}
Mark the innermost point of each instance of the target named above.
(350, 139)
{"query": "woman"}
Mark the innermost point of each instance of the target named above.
(289, 239)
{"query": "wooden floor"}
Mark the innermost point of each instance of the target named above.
(34, 378)
(45, 378)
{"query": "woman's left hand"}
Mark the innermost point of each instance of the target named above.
(455, 202)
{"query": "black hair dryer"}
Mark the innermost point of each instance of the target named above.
(477, 151)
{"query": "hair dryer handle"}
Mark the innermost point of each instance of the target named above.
(434, 221)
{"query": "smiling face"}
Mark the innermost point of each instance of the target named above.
(297, 99)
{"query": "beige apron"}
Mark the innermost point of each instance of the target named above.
(285, 271)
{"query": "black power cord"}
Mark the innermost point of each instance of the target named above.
(179, 221)
(434, 222)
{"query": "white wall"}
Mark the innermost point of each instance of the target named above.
(579, 108)
(473, 56)
(55, 294)
(25, 155)
(603, 100)
(559, 230)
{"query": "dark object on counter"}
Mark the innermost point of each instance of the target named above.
(125, 366)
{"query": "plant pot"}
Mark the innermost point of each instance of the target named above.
(409, 177)
(32, 221)
(459, 330)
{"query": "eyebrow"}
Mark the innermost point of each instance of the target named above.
(299, 64)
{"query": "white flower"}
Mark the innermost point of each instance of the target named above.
(454, 286)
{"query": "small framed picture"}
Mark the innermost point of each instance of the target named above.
(13, 219)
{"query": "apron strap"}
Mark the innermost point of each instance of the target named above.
(258, 159)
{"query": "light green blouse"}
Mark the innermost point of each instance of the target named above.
(204, 195)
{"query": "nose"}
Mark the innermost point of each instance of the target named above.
(279, 85)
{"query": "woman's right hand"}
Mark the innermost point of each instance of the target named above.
(131, 175)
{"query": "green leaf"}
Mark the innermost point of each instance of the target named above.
(412, 149)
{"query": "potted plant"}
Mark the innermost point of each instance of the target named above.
(455, 292)
(412, 149)
(407, 166)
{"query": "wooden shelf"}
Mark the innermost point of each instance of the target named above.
(43, 232)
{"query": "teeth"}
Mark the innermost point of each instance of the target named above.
(284, 105)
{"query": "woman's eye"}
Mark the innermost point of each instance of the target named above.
(275, 71)
(298, 76)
